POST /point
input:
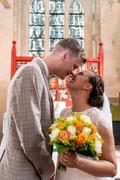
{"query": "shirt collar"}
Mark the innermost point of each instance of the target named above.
(46, 68)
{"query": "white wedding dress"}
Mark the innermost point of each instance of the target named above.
(77, 174)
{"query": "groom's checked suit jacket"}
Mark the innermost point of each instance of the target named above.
(25, 150)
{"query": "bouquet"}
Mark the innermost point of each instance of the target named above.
(76, 133)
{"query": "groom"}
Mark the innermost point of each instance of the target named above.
(25, 150)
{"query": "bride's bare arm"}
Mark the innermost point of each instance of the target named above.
(106, 166)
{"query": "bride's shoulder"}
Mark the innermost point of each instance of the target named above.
(65, 111)
(94, 113)
(98, 118)
(94, 110)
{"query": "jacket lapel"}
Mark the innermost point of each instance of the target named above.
(41, 65)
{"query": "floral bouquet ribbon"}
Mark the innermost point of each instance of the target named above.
(76, 133)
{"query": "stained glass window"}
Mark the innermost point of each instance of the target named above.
(37, 28)
(76, 21)
(56, 22)
(56, 25)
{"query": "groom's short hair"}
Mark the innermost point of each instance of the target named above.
(68, 43)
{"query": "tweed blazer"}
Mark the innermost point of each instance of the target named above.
(25, 149)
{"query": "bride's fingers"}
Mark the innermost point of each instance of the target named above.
(69, 155)
(63, 161)
(67, 158)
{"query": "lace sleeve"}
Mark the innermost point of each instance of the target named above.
(94, 114)
(65, 111)
(98, 117)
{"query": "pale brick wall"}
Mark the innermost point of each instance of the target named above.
(6, 36)
(110, 35)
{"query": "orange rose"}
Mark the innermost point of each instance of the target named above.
(64, 136)
(79, 125)
(81, 139)
(59, 124)
(92, 137)
(94, 130)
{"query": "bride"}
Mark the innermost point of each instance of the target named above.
(87, 91)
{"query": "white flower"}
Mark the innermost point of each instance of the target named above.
(98, 135)
(53, 126)
(85, 118)
(86, 130)
(98, 146)
(70, 118)
(54, 134)
(71, 130)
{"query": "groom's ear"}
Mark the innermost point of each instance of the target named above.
(64, 55)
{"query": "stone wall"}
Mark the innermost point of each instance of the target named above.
(6, 36)
(110, 36)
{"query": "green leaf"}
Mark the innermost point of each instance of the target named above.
(61, 167)
(62, 148)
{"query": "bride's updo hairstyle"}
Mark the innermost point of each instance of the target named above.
(96, 95)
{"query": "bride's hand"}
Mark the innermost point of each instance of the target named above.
(69, 159)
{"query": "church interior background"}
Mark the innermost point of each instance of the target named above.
(38, 24)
